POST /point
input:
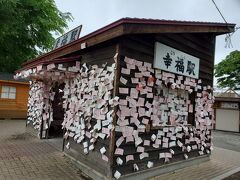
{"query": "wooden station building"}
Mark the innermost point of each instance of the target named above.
(133, 97)
(13, 97)
(227, 111)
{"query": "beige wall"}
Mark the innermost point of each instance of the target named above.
(227, 119)
(15, 108)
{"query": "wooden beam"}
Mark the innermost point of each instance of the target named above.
(171, 28)
(131, 26)
(115, 93)
(107, 35)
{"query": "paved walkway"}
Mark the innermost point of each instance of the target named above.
(23, 156)
(221, 162)
(225, 161)
(227, 140)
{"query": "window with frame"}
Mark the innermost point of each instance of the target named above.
(8, 92)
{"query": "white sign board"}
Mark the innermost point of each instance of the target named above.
(229, 105)
(175, 61)
(68, 37)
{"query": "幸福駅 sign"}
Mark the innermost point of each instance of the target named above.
(175, 61)
(68, 37)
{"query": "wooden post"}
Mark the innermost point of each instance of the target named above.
(115, 93)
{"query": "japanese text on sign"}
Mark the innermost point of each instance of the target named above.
(229, 105)
(173, 60)
(68, 37)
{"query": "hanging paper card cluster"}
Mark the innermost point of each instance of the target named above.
(89, 106)
(159, 114)
(152, 99)
(41, 95)
(51, 72)
(35, 104)
(39, 105)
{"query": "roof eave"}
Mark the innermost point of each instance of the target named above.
(131, 26)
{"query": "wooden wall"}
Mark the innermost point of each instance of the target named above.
(141, 48)
(97, 55)
(199, 45)
(15, 108)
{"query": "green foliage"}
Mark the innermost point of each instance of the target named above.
(228, 71)
(26, 28)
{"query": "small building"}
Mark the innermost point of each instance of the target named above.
(132, 97)
(13, 97)
(227, 111)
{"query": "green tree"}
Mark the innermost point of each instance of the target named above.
(228, 71)
(26, 30)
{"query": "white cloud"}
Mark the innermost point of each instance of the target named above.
(95, 14)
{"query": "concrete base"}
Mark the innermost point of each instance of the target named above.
(32, 131)
(87, 170)
(227, 174)
(141, 175)
(145, 174)
(57, 143)
(156, 171)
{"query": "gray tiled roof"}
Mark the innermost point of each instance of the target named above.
(9, 77)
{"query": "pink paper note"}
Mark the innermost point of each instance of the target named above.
(148, 105)
(165, 145)
(132, 102)
(149, 95)
(140, 101)
(138, 75)
(168, 155)
(129, 60)
(119, 141)
(140, 149)
(146, 143)
(123, 102)
(165, 139)
(143, 155)
(39, 68)
(104, 157)
(173, 120)
(145, 121)
(129, 139)
(129, 158)
(119, 151)
(50, 66)
(134, 93)
(146, 64)
(123, 80)
(88, 134)
(125, 71)
(105, 131)
(131, 66)
(179, 143)
(158, 141)
(156, 146)
(149, 89)
(123, 90)
(141, 111)
(138, 63)
(187, 88)
(190, 108)
(135, 80)
(142, 68)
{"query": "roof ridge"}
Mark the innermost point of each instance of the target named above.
(128, 20)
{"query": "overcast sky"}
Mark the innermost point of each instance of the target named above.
(94, 14)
